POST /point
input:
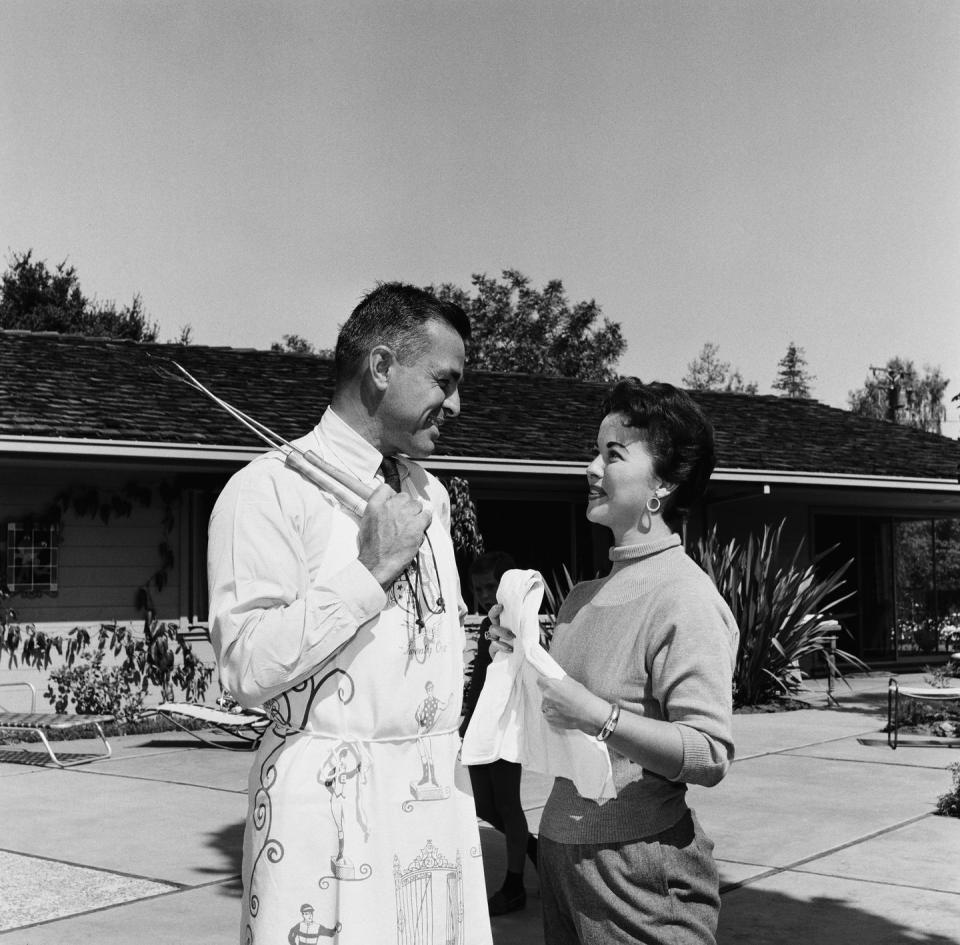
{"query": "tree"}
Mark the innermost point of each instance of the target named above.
(35, 298)
(518, 329)
(898, 392)
(184, 338)
(708, 372)
(296, 344)
(793, 379)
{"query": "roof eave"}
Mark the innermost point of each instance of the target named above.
(205, 452)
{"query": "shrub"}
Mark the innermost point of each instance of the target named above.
(782, 611)
(94, 690)
(554, 594)
(153, 657)
(948, 805)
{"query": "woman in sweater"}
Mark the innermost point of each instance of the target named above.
(649, 651)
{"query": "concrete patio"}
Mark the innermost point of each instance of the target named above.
(821, 840)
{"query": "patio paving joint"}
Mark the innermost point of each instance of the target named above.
(865, 761)
(173, 884)
(789, 867)
(793, 748)
(97, 772)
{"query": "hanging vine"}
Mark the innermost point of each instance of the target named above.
(155, 657)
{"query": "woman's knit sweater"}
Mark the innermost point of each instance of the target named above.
(656, 637)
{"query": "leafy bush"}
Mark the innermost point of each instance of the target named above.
(782, 611)
(94, 690)
(153, 657)
(948, 805)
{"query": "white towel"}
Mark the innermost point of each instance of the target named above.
(508, 721)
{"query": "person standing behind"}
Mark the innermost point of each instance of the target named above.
(338, 624)
(496, 786)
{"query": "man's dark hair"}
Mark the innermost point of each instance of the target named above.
(678, 435)
(393, 314)
(496, 563)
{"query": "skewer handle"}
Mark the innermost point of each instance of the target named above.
(344, 478)
(346, 497)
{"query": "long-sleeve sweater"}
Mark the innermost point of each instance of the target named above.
(657, 638)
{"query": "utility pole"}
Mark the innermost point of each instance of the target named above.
(899, 396)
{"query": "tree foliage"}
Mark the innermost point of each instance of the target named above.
(35, 298)
(297, 344)
(793, 378)
(902, 394)
(708, 372)
(519, 329)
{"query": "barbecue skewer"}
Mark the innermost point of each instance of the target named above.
(345, 487)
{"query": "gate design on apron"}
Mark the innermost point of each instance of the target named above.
(429, 899)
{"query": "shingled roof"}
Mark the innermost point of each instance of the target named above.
(58, 386)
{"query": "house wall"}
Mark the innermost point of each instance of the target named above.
(101, 564)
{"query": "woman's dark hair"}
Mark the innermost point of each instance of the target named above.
(679, 436)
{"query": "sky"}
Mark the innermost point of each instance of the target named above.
(745, 172)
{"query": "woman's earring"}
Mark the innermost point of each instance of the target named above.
(653, 504)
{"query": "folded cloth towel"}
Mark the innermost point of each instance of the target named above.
(508, 720)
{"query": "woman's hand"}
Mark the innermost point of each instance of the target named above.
(501, 638)
(568, 704)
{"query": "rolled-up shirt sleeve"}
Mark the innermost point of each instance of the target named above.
(271, 624)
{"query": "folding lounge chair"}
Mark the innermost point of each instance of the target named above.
(896, 692)
(43, 722)
(247, 724)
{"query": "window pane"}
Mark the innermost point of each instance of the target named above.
(33, 558)
(947, 547)
(916, 607)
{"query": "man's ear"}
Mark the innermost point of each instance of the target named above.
(380, 364)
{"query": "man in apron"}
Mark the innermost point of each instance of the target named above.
(347, 629)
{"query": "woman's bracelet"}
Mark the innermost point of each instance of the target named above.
(610, 724)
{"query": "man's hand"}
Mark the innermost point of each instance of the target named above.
(391, 532)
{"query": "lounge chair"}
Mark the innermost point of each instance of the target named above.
(248, 725)
(896, 692)
(41, 723)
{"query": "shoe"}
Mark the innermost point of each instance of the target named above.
(500, 903)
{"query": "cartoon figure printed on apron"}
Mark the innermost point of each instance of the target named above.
(347, 763)
(307, 931)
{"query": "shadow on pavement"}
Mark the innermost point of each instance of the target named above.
(228, 841)
(40, 759)
(751, 916)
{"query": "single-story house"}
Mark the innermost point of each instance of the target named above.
(137, 459)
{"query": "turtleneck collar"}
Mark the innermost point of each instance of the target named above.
(643, 549)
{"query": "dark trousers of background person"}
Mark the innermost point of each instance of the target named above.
(496, 796)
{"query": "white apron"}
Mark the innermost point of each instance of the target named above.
(356, 831)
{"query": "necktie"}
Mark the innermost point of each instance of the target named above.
(390, 473)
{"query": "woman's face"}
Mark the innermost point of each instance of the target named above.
(621, 477)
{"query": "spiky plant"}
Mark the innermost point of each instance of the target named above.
(783, 611)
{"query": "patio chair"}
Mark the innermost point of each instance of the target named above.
(40, 723)
(247, 725)
(896, 692)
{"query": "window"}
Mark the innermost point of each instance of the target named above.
(928, 585)
(33, 558)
